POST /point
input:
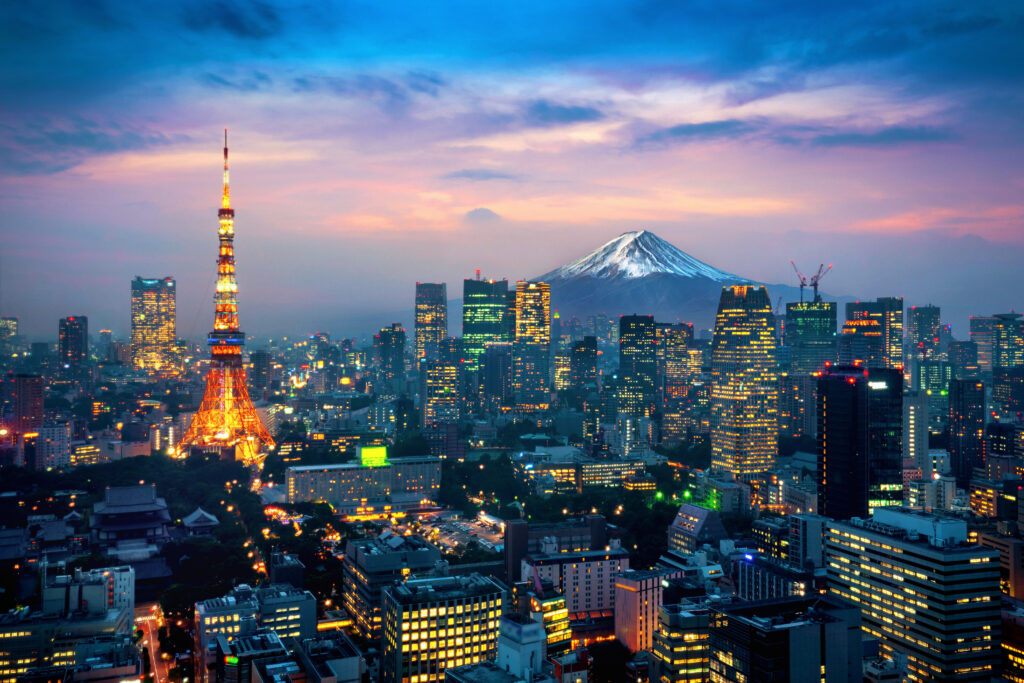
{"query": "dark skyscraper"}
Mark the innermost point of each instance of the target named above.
(888, 311)
(583, 365)
(24, 394)
(744, 384)
(966, 427)
(496, 374)
(982, 328)
(484, 318)
(923, 331)
(860, 440)
(810, 334)
(73, 345)
(932, 377)
(260, 376)
(862, 343)
(389, 345)
(638, 365)
(431, 319)
(963, 356)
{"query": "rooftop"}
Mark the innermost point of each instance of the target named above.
(445, 588)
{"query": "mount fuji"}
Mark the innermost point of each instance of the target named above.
(638, 272)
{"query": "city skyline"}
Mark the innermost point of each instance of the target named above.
(861, 137)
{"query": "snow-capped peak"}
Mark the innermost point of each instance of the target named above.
(637, 254)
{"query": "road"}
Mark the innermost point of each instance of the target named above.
(146, 619)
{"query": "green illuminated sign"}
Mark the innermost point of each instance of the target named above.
(373, 456)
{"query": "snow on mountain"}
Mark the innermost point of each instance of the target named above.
(638, 254)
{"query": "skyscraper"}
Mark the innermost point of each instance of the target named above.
(982, 328)
(888, 311)
(389, 345)
(810, 334)
(8, 333)
(226, 420)
(153, 331)
(431, 319)
(638, 365)
(583, 365)
(1007, 340)
(744, 384)
(73, 342)
(532, 348)
(862, 342)
(675, 367)
(860, 440)
(963, 356)
(439, 393)
(932, 377)
(484, 317)
(915, 430)
(966, 427)
(923, 333)
(25, 395)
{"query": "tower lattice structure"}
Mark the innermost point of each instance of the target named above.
(226, 419)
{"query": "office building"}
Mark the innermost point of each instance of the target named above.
(966, 427)
(963, 356)
(236, 660)
(522, 538)
(586, 578)
(1008, 393)
(681, 651)
(758, 577)
(369, 488)
(8, 334)
(982, 330)
(531, 350)
(806, 532)
(496, 374)
(431, 319)
(25, 395)
(389, 347)
(262, 370)
(810, 335)
(484, 318)
(800, 640)
(693, 527)
(638, 365)
(440, 399)
(675, 367)
(95, 591)
(370, 565)
(430, 625)
(153, 326)
(288, 611)
(923, 324)
(583, 373)
(73, 342)
(924, 591)
(1007, 340)
(915, 431)
(797, 405)
(744, 384)
(888, 312)
(931, 377)
(862, 342)
(638, 595)
(233, 616)
(860, 440)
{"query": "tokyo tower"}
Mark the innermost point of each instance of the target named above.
(226, 420)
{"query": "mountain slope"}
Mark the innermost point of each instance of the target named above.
(638, 272)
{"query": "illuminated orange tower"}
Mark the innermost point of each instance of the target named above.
(226, 419)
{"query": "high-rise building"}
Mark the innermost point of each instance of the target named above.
(796, 639)
(389, 346)
(496, 374)
(860, 440)
(261, 369)
(439, 395)
(681, 653)
(923, 331)
(810, 334)
(430, 625)
(8, 334)
(862, 342)
(484, 318)
(153, 329)
(931, 377)
(638, 365)
(585, 578)
(531, 352)
(431, 319)
(1007, 340)
(982, 332)
(583, 365)
(1008, 392)
(924, 591)
(963, 356)
(915, 431)
(744, 384)
(637, 599)
(797, 405)
(226, 420)
(888, 311)
(24, 393)
(73, 342)
(675, 365)
(966, 423)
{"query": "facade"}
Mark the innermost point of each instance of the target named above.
(982, 332)
(966, 427)
(484, 318)
(370, 565)
(946, 622)
(638, 596)
(915, 430)
(638, 365)
(440, 400)
(235, 615)
(860, 440)
(800, 640)
(433, 624)
(675, 366)
(862, 342)
(496, 374)
(287, 611)
(693, 527)
(153, 325)
(681, 652)
(357, 490)
(583, 365)
(389, 347)
(587, 579)
(73, 342)
(522, 538)
(1007, 340)
(25, 394)
(531, 351)
(431, 319)
(888, 312)
(94, 590)
(810, 334)
(923, 323)
(744, 384)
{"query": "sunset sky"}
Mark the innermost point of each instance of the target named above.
(374, 144)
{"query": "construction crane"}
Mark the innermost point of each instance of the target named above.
(813, 281)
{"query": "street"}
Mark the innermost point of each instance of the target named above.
(146, 619)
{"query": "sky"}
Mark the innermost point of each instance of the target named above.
(375, 144)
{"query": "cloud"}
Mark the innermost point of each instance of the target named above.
(481, 216)
(546, 113)
(886, 137)
(478, 174)
(250, 19)
(693, 132)
(254, 81)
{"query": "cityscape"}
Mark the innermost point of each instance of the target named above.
(747, 406)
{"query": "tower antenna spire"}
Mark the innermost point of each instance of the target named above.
(226, 201)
